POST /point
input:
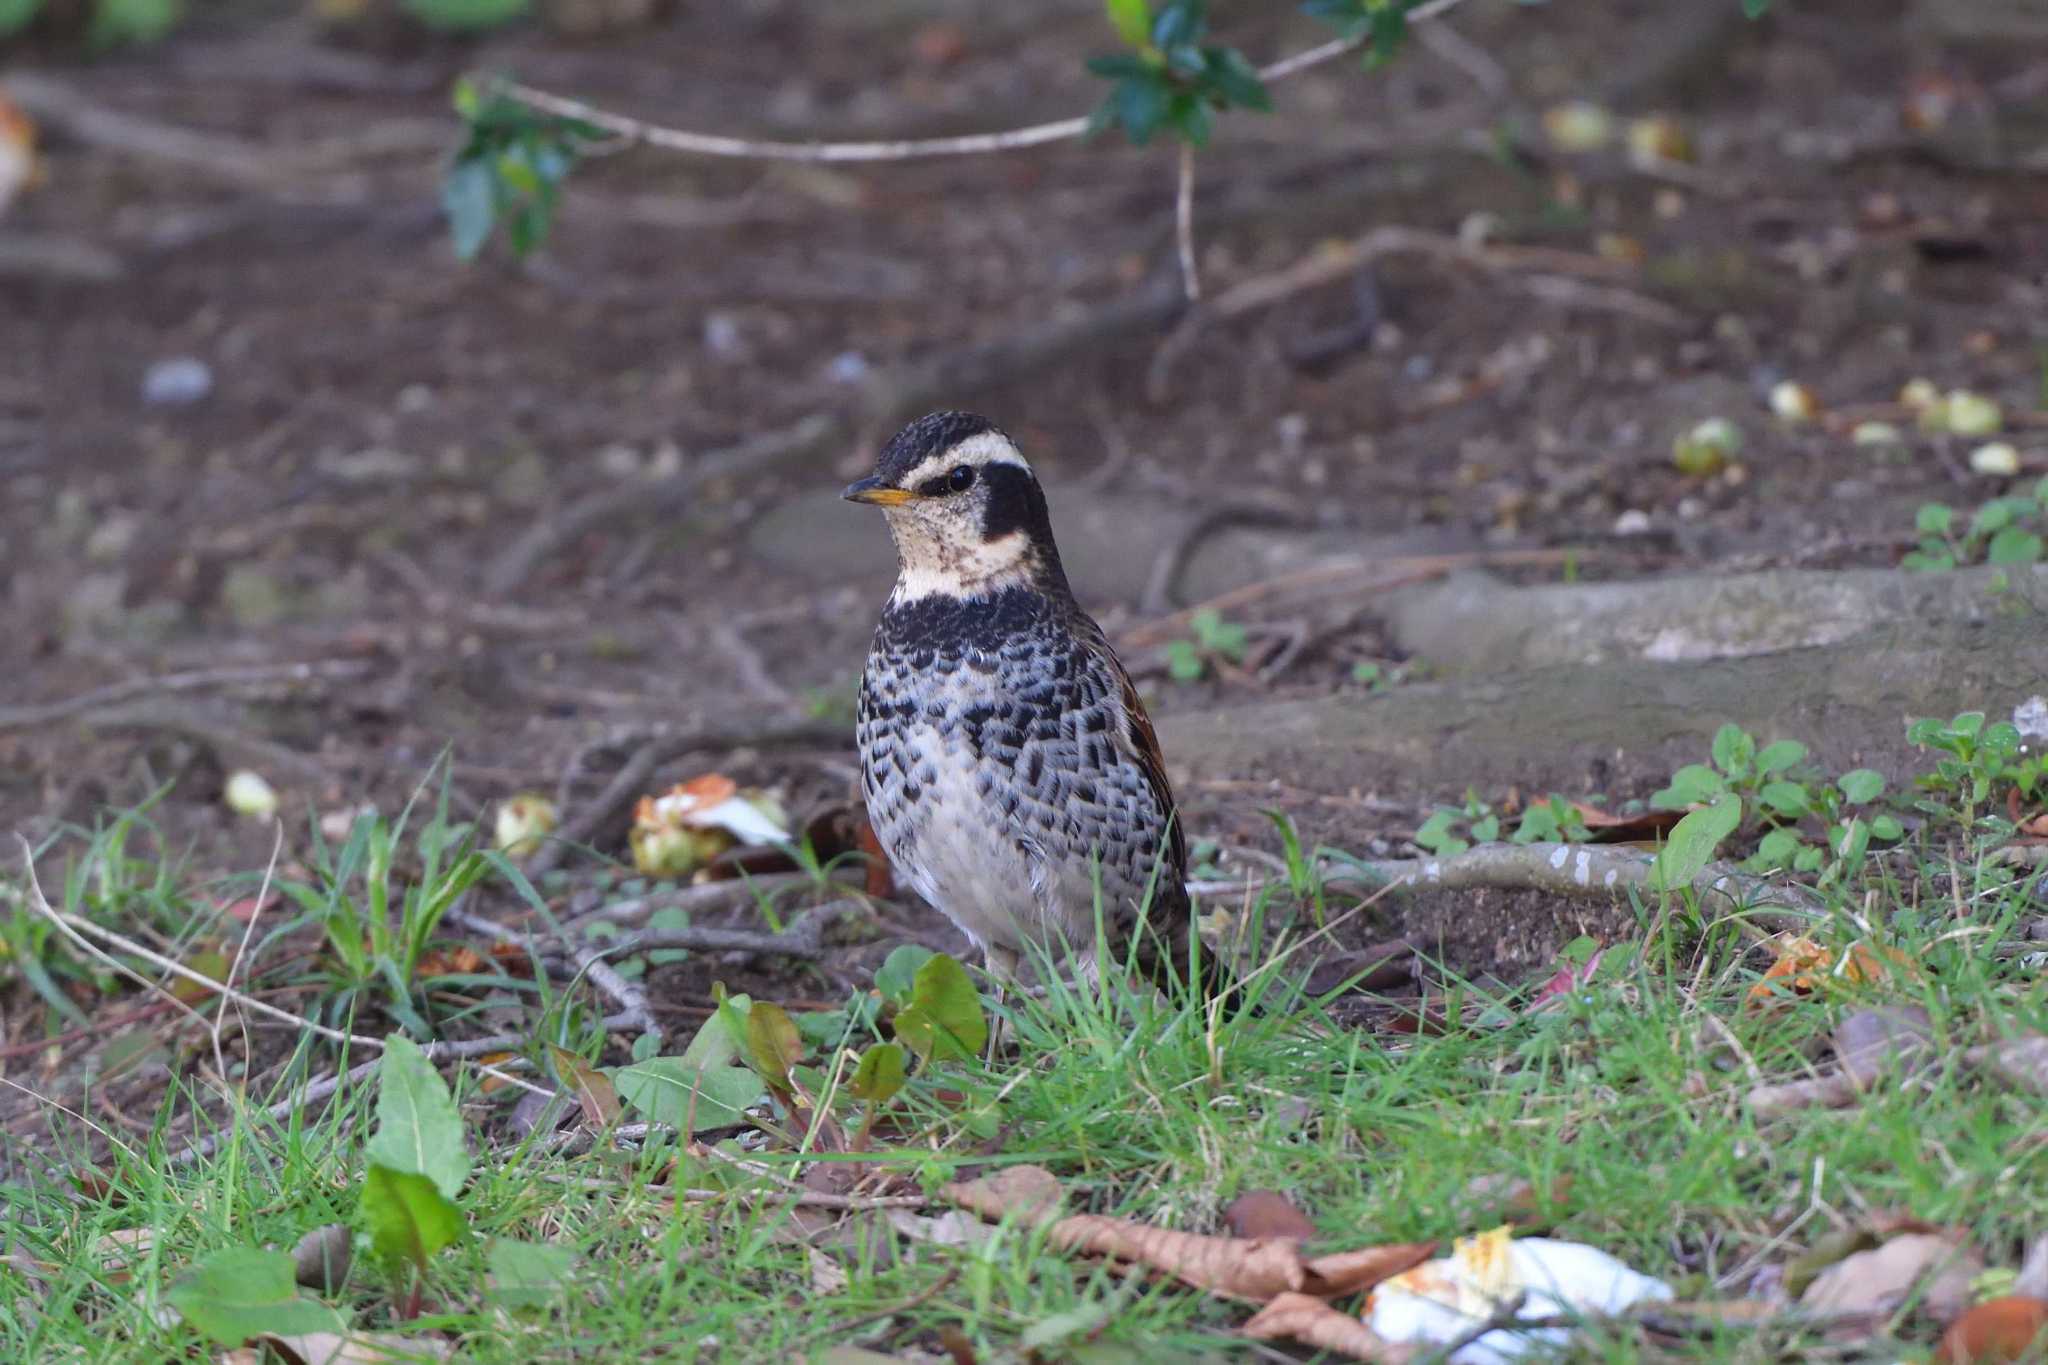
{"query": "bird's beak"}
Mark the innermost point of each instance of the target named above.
(873, 490)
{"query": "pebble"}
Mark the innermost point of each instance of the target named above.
(177, 383)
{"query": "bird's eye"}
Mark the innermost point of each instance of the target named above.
(961, 479)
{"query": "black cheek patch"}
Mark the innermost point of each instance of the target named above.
(1013, 503)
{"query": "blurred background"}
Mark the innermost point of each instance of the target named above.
(292, 487)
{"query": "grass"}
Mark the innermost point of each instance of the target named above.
(1624, 1100)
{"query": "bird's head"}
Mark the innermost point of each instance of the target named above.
(967, 516)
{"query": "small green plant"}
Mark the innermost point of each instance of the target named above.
(466, 16)
(109, 24)
(1451, 830)
(1376, 676)
(2003, 531)
(1212, 638)
(380, 905)
(1976, 760)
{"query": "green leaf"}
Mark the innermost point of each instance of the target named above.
(1235, 80)
(1864, 784)
(1139, 104)
(419, 1131)
(1934, 519)
(16, 15)
(1777, 849)
(944, 1020)
(1850, 840)
(465, 16)
(1787, 798)
(662, 1089)
(1776, 758)
(2001, 739)
(1810, 858)
(1967, 723)
(879, 1075)
(528, 1274)
(1486, 830)
(1755, 9)
(469, 200)
(1179, 23)
(1387, 25)
(1132, 20)
(1887, 828)
(241, 1292)
(896, 978)
(1995, 515)
(1733, 750)
(408, 1217)
(118, 22)
(773, 1043)
(2014, 545)
(1692, 785)
(1436, 830)
(1183, 661)
(1692, 842)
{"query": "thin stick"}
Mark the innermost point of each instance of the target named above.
(241, 951)
(42, 713)
(76, 928)
(1184, 224)
(901, 149)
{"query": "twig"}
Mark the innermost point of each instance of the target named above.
(1504, 1316)
(43, 713)
(1184, 224)
(1326, 265)
(517, 562)
(901, 149)
(242, 951)
(631, 997)
(708, 898)
(804, 937)
(813, 1198)
(76, 929)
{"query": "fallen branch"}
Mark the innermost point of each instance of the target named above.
(43, 713)
(1579, 871)
(1328, 264)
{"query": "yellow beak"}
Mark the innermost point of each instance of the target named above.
(873, 491)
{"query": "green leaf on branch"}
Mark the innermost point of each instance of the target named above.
(1132, 20)
(508, 171)
(241, 1293)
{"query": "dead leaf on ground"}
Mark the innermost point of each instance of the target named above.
(1606, 827)
(2020, 1062)
(1876, 1042)
(1802, 965)
(956, 1228)
(596, 1096)
(1513, 1199)
(2013, 1328)
(326, 1348)
(1877, 1281)
(1312, 1322)
(1568, 978)
(462, 960)
(1266, 1213)
(1246, 1268)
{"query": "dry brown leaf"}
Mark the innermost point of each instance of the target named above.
(2020, 1062)
(2008, 1329)
(2036, 828)
(1247, 1268)
(1609, 828)
(1802, 965)
(595, 1094)
(1310, 1321)
(326, 1348)
(494, 1059)
(1877, 1281)
(1266, 1213)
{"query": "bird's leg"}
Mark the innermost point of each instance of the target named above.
(1001, 965)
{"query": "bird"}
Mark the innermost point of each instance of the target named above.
(1009, 768)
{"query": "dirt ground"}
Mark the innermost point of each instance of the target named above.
(380, 422)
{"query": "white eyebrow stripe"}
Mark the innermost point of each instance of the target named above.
(983, 448)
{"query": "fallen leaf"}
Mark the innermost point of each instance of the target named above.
(2036, 827)
(1515, 1200)
(1802, 965)
(1607, 827)
(956, 1228)
(462, 960)
(1877, 1281)
(1888, 1039)
(247, 908)
(494, 1059)
(2013, 1328)
(1246, 1268)
(1266, 1213)
(1313, 1323)
(211, 963)
(2020, 1062)
(1569, 978)
(1834, 1090)
(330, 1348)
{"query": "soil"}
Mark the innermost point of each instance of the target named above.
(380, 421)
